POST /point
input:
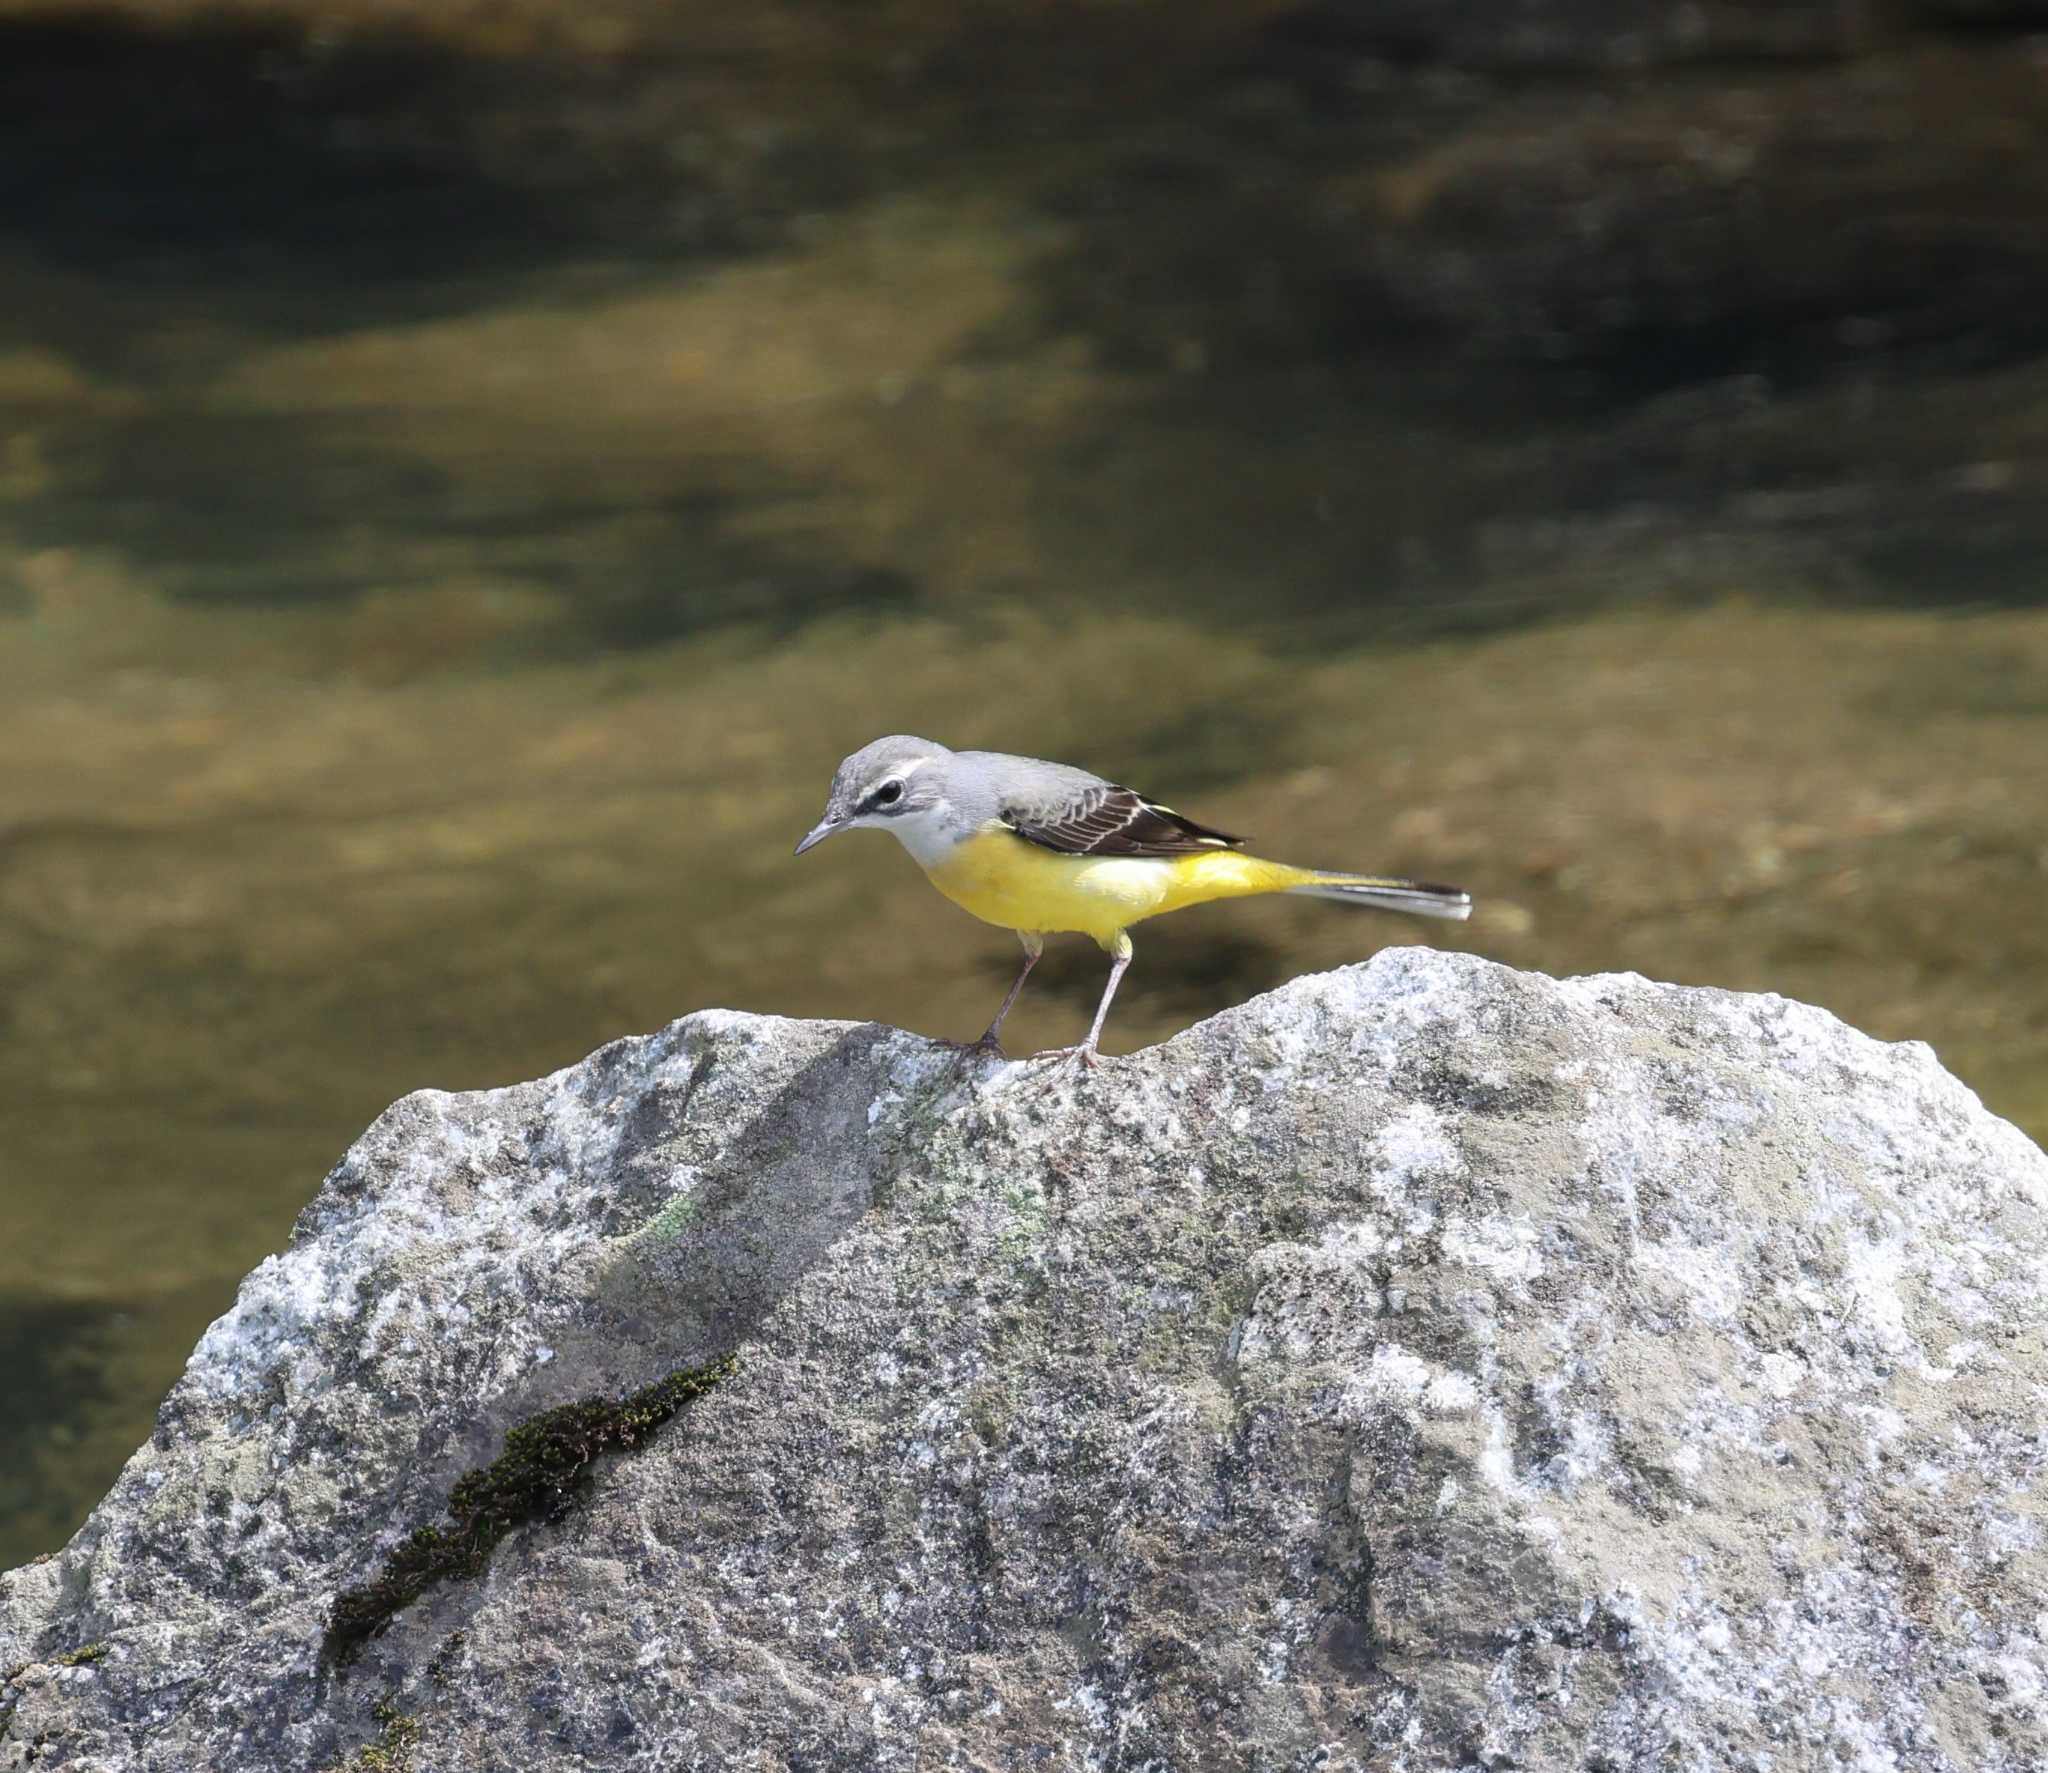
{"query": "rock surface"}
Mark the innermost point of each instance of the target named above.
(1423, 1366)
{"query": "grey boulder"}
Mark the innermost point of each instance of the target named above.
(1423, 1366)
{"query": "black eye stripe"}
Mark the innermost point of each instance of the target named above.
(885, 796)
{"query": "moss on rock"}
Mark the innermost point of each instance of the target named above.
(546, 1460)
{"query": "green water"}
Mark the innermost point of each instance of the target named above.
(420, 676)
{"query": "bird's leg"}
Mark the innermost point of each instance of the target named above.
(1086, 1052)
(1034, 946)
(991, 1042)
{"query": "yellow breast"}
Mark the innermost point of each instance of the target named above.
(1017, 885)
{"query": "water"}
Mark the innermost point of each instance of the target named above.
(453, 519)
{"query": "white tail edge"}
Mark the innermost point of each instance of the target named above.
(1415, 896)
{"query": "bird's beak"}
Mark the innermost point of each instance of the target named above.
(819, 832)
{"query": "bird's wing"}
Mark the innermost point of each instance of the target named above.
(1105, 820)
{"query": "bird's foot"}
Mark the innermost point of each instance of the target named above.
(987, 1047)
(1083, 1055)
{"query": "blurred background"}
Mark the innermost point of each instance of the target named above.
(469, 470)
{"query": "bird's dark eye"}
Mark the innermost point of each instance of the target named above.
(888, 794)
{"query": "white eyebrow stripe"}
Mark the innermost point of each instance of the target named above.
(899, 773)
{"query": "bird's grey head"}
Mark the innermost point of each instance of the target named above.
(892, 783)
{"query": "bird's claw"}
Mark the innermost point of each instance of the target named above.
(987, 1047)
(1083, 1055)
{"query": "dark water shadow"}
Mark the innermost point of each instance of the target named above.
(78, 1379)
(298, 183)
(1289, 438)
(1289, 249)
(269, 510)
(234, 149)
(53, 1378)
(168, 197)
(1263, 208)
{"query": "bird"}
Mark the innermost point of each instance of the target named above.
(1041, 848)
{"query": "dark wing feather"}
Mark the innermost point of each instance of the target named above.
(1105, 820)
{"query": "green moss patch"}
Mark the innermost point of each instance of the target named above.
(546, 1461)
(392, 1751)
(673, 1218)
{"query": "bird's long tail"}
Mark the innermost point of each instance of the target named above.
(1417, 896)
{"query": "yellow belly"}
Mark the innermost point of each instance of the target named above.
(1017, 885)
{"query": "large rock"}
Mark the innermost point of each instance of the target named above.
(1424, 1366)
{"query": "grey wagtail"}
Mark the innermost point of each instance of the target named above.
(1040, 847)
